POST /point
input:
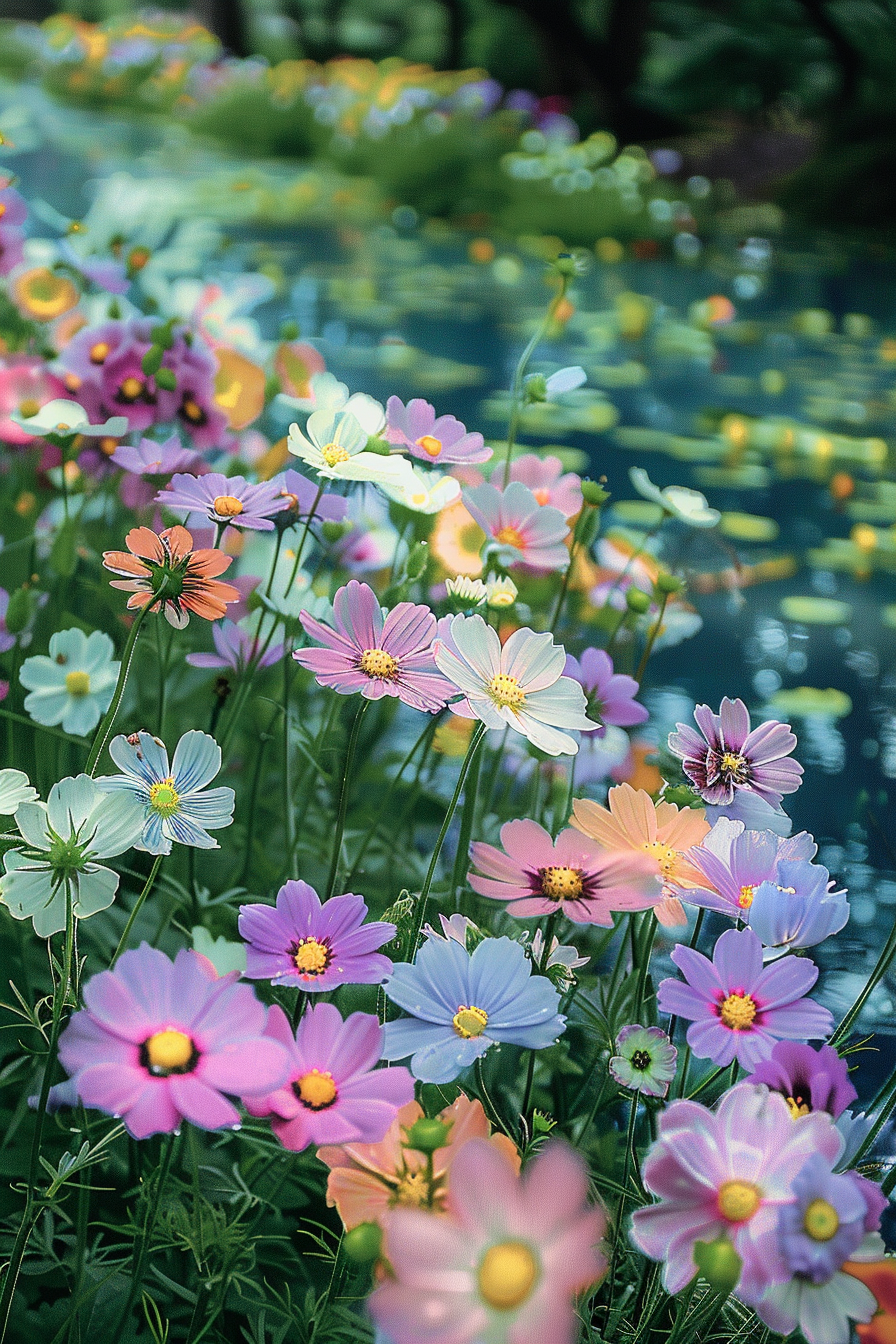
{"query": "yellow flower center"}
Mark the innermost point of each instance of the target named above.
(315, 1090)
(77, 683)
(738, 1012)
(732, 764)
(227, 506)
(333, 453)
(168, 1051)
(164, 797)
(820, 1220)
(192, 411)
(745, 899)
(72, 382)
(470, 1021)
(665, 855)
(739, 1200)
(430, 445)
(28, 408)
(798, 1107)
(561, 884)
(378, 663)
(509, 536)
(311, 956)
(99, 352)
(506, 692)
(130, 389)
(412, 1190)
(507, 1274)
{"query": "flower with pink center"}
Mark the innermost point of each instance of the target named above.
(727, 1173)
(226, 501)
(26, 385)
(506, 1260)
(729, 757)
(519, 530)
(375, 655)
(333, 1092)
(544, 476)
(236, 648)
(159, 1042)
(433, 439)
(610, 695)
(570, 875)
(737, 1008)
(315, 946)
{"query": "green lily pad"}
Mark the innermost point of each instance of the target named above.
(816, 610)
(749, 527)
(805, 701)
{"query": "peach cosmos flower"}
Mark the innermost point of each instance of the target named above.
(165, 571)
(880, 1277)
(662, 830)
(368, 1179)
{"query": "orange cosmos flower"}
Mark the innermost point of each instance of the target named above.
(880, 1277)
(662, 830)
(164, 571)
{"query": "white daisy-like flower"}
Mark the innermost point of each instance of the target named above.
(333, 444)
(422, 491)
(688, 506)
(468, 592)
(520, 684)
(328, 394)
(73, 685)
(65, 419)
(14, 789)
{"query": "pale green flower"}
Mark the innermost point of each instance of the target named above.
(14, 789)
(688, 506)
(75, 684)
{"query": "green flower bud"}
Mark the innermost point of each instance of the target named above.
(20, 610)
(377, 445)
(162, 336)
(427, 1135)
(289, 331)
(167, 378)
(416, 562)
(594, 494)
(566, 265)
(637, 601)
(363, 1243)
(152, 360)
(718, 1263)
(587, 526)
(668, 584)
(682, 796)
(536, 387)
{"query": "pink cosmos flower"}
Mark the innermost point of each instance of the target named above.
(737, 1007)
(376, 656)
(334, 1093)
(610, 695)
(159, 1042)
(505, 1261)
(26, 385)
(571, 875)
(519, 530)
(727, 1172)
(729, 757)
(545, 478)
(433, 440)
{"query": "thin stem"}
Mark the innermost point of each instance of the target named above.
(651, 640)
(141, 1243)
(519, 374)
(138, 905)
(383, 803)
(105, 728)
(343, 796)
(304, 537)
(874, 979)
(620, 1207)
(466, 826)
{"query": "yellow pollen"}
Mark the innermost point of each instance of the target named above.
(311, 956)
(732, 763)
(470, 1021)
(506, 692)
(333, 453)
(192, 410)
(820, 1220)
(562, 884)
(77, 683)
(72, 382)
(738, 1012)
(509, 536)
(798, 1107)
(62, 428)
(378, 663)
(28, 408)
(507, 1275)
(164, 797)
(738, 1200)
(745, 899)
(227, 506)
(665, 855)
(99, 352)
(168, 1050)
(316, 1090)
(131, 388)
(430, 445)
(412, 1190)
(107, 446)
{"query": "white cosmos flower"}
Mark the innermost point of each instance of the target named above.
(67, 418)
(688, 506)
(14, 789)
(422, 491)
(334, 443)
(824, 1312)
(328, 394)
(520, 684)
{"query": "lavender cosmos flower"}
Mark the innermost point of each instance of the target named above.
(738, 1009)
(808, 1079)
(159, 1042)
(519, 530)
(333, 1092)
(736, 861)
(463, 1002)
(610, 695)
(225, 500)
(316, 947)
(799, 908)
(149, 461)
(236, 648)
(376, 656)
(432, 439)
(645, 1061)
(729, 757)
(12, 239)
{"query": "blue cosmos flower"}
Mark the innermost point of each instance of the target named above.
(462, 1003)
(799, 909)
(74, 684)
(177, 805)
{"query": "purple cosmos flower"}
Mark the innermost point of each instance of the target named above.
(729, 757)
(333, 1093)
(301, 494)
(520, 531)
(375, 656)
(432, 439)
(799, 908)
(736, 862)
(808, 1079)
(148, 464)
(827, 1222)
(317, 947)
(7, 641)
(225, 500)
(236, 649)
(610, 695)
(738, 1009)
(159, 1042)
(13, 212)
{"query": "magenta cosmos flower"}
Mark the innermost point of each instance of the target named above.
(225, 500)
(727, 1173)
(729, 757)
(26, 385)
(738, 1009)
(808, 1079)
(315, 946)
(333, 1093)
(159, 1042)
(610, 695)
(519, 530)
(570, 875)
(503, 1263)
(544, 476)
(376, 656)
(433, 439)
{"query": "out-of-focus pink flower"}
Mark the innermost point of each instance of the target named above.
(544, 476)
(433, 439)
(519, 530)
(26, 385)
(610, 695)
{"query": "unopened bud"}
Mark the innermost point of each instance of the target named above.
(20, 610)
(566, 265)
(465, 592)
(501, 593)
(377, 445)
(362, 1244)
(427, 1135)
(718, 1263)
(667, 584)
(417, 560)
(594, 494)
(637, 601)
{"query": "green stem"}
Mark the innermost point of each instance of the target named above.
(138, 905)
(105, 728)
(519, 374)
(467, 818)
(651, 640)
(343, 796)
(874, 979)
(300, 549)
(620, 1207)
(141, 1243)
